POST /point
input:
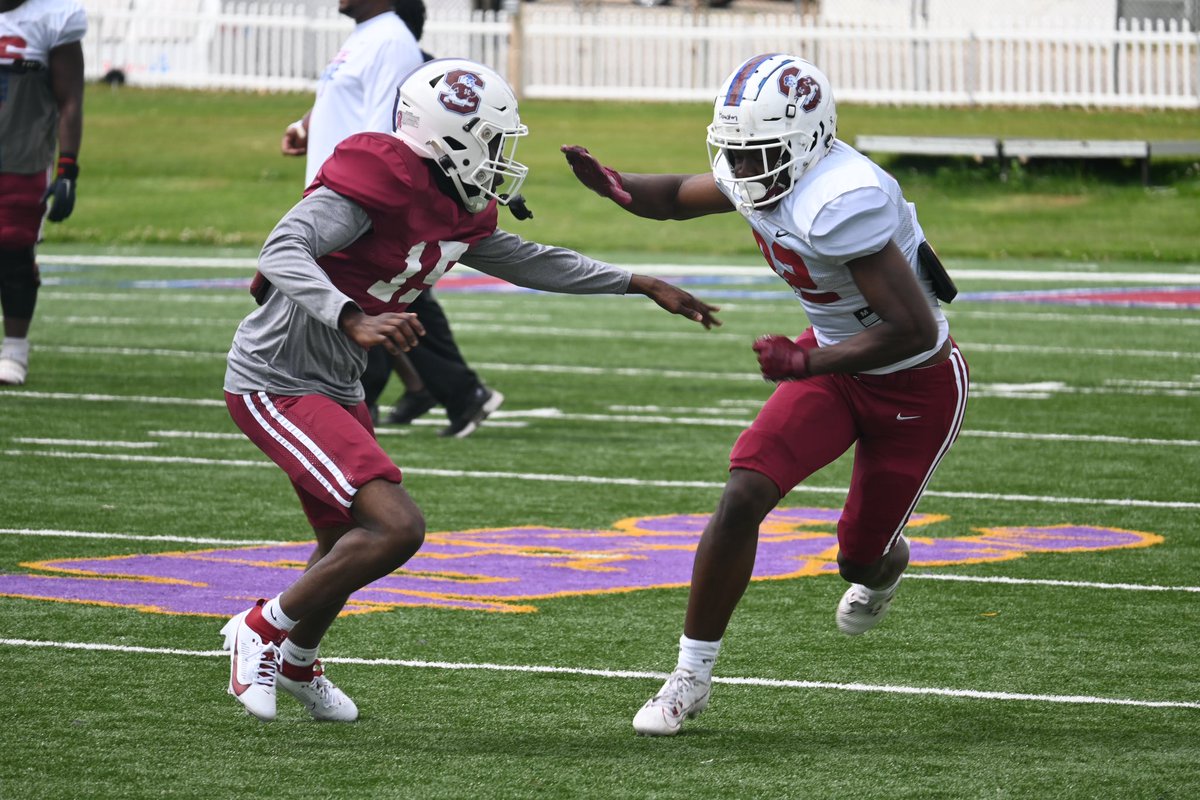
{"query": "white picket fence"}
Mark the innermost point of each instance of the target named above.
(629, 53)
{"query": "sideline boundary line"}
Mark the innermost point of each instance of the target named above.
(658, 269)
(974, 694)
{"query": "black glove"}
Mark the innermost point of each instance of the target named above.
(62, 190)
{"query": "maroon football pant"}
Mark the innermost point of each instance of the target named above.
(901, 426)
(21, 209)
(328, 450)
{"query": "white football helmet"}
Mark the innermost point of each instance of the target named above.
(463, 116)
(779, 108)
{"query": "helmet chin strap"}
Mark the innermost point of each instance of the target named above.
(474, 203)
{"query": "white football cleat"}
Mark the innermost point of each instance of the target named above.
(861, 609)
(13, 372)
(683, 696)
(253, 664)
(323, 700)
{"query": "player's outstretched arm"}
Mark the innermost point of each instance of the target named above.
(655, 196)
(674, 299)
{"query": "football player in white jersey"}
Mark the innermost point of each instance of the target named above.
(41, 115)
(876, 369)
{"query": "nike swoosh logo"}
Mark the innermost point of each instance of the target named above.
(781, 234)
(901, 417)
(238, 686)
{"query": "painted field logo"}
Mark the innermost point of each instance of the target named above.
(503, 569)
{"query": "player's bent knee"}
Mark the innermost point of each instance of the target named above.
(385, 509)
(407, 537)
(748, 495)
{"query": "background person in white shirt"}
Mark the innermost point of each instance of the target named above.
(41, 114)
(356, 90)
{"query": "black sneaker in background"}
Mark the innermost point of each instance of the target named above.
(410, 406)
(484, 402)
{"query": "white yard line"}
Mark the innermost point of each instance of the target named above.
(1022, 275)
(137, 537)
(610, 481)
(232, 322)
(609, 335)
(512, 418)
(90, 397)
(1082, 316)
(1075, 437)
(537, 669)
(638, 335)
(1127, 587)
(85, 443)
(968, 347)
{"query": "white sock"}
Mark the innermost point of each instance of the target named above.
(697, 656)
(16, 349)
(274, 615)
(295, 654)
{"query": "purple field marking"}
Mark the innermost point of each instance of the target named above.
(501, 570)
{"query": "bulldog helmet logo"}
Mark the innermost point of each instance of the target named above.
(461, 97)
(805, 89)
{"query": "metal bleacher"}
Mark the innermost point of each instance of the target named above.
(983, 147)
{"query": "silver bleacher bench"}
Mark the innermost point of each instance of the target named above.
(981, 147)
(1025, 149)
(977, 147)
(1174, 148)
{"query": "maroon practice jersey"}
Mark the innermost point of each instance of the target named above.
(417, 231)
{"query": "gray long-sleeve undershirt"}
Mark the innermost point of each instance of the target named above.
(292, 345)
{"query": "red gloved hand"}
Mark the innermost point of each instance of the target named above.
(594, 175)
(781, 359)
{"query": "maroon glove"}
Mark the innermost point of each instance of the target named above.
(594, 175)
(781, 359)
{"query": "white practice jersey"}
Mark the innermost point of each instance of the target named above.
(843, 208)
(357, 90)
(28, 110)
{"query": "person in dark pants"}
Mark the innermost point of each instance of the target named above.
(435, 373)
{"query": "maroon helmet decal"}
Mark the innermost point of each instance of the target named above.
(461, 97)
(807, 90)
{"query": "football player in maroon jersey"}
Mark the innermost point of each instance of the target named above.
(387, 215)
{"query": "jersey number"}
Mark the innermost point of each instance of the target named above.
(791, 267)
(446, 254)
